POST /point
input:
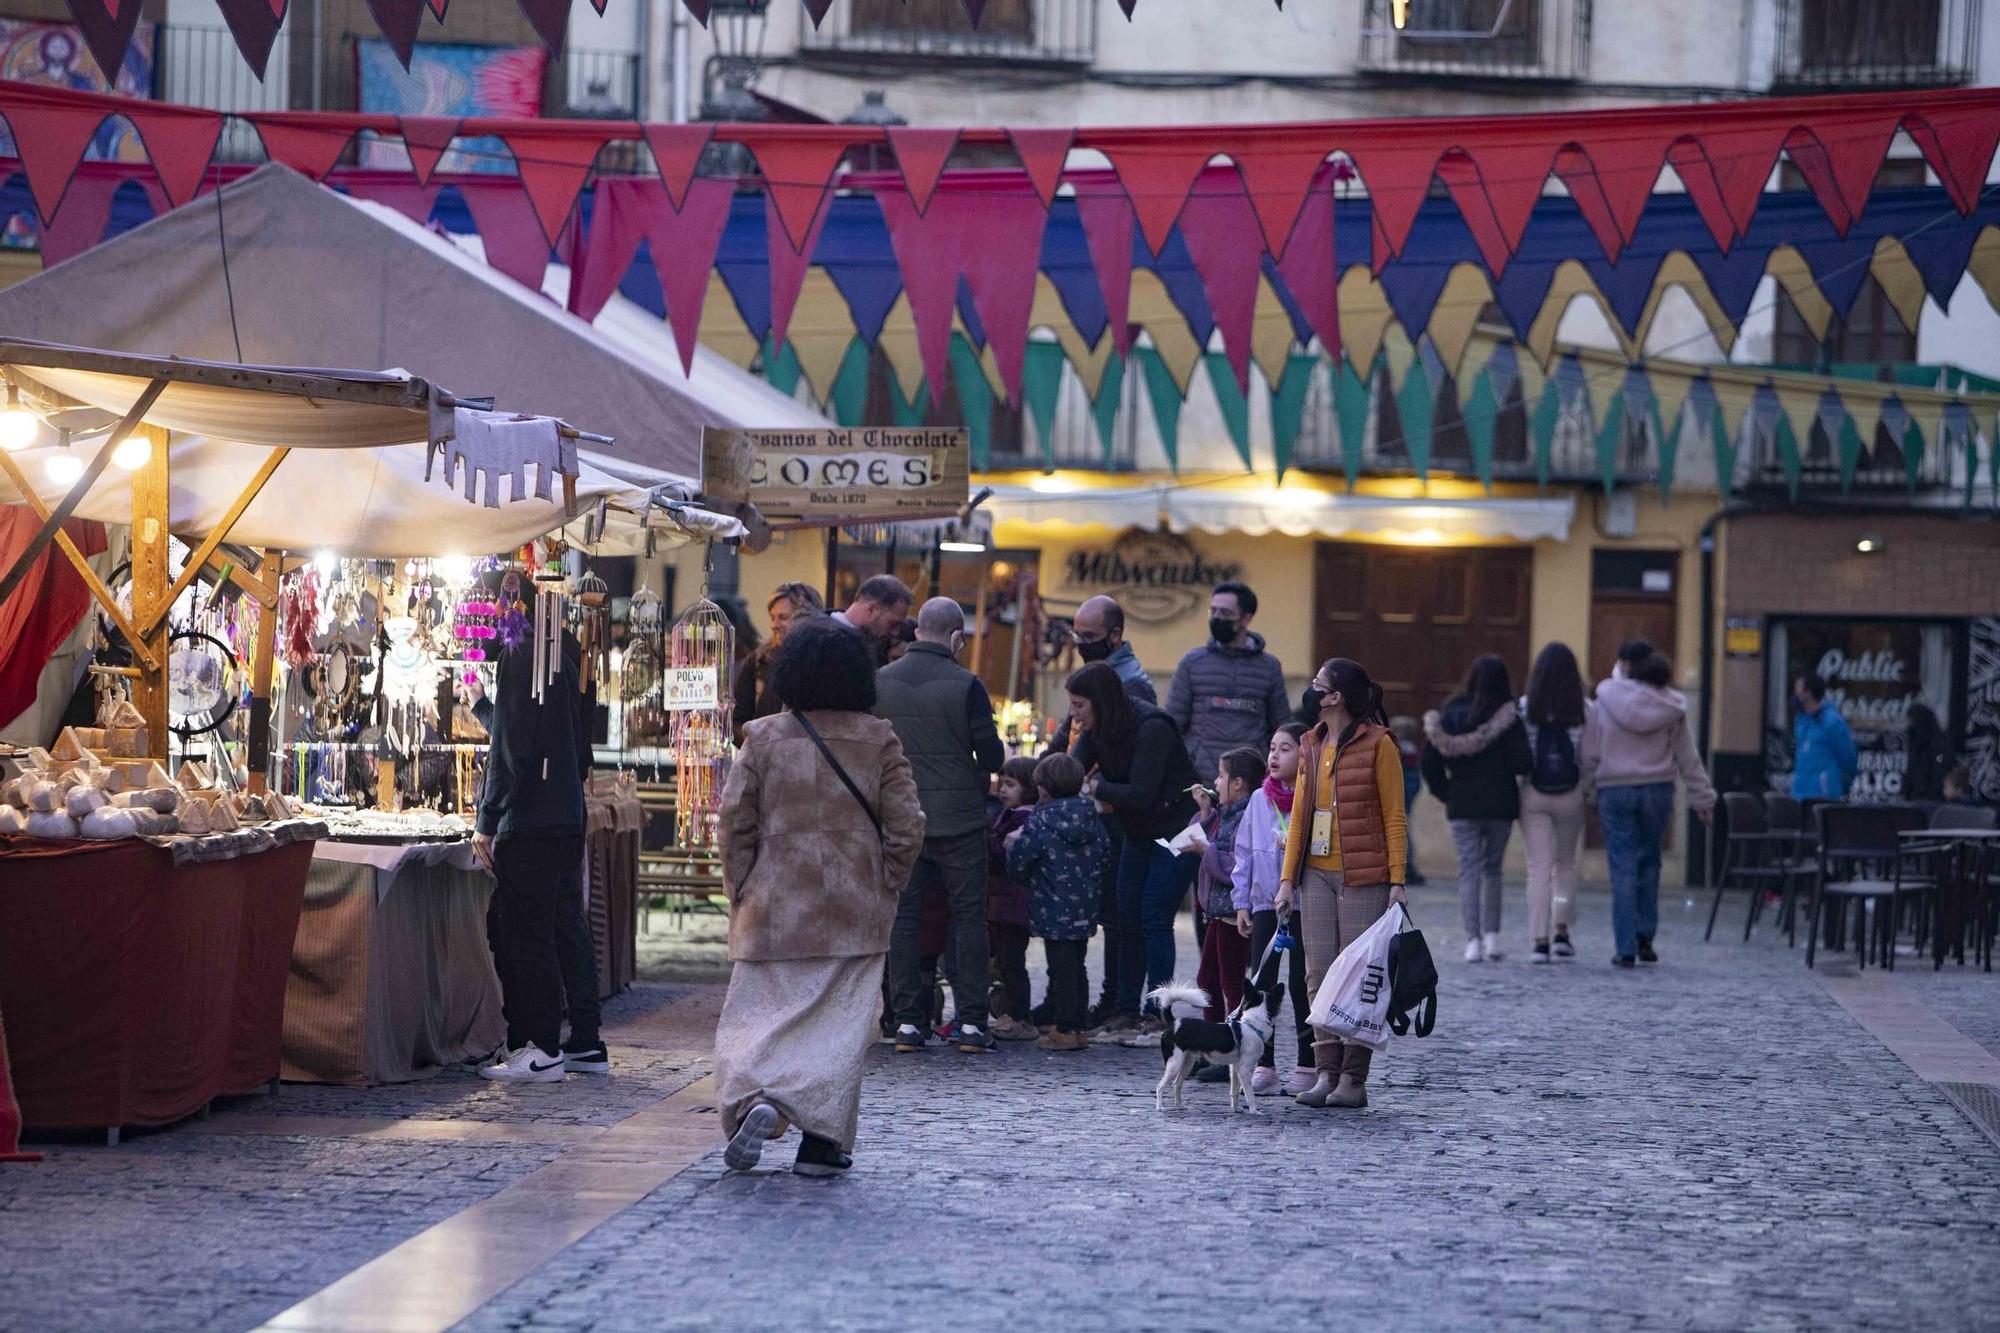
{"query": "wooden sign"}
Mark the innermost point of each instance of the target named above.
(838, 475)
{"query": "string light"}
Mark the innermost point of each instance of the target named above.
(64, 466)
(133, 453)
(18, 426)
(1400, 12)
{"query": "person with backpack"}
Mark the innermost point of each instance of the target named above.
(1552, 797)
(1474, 759)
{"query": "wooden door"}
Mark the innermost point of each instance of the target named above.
(1416, 618)
(1616, 621)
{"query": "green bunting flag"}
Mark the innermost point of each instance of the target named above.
(1235, 407)
(781, 368)
(1288, 408)
(975, 399)
(1104, 407)
(908, 411)
(1610, 436)
(849, 400)
(1416, 405)
(1166, 399)
(1350, 407)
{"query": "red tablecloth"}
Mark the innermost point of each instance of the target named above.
(136, 990)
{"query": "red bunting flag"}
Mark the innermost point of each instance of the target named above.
(254, 25)
(308, 142)
(1397, 168)
(1959, 143)
(1106, 215)
(688, 237)
(550, 20)
(677, 151)
(1000, 251)
(788, 265)
(1042, 154)
(798, 162)
(180, 142)
(554, 163)
(1308, 268)
(399, 21)
(927, 251)
(49, 136)
(80, 222)
(509, 229)
(921, 155)
(1219, 225)
(1277, 170)
(1157, 168)
(617, 225)
(427, 138)
(107, 27)
(413, 201)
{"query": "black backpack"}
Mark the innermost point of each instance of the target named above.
(1413, 981)
(1556, 770)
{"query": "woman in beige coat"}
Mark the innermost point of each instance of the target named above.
(813, 868)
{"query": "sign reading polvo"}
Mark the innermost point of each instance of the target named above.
(838, 474)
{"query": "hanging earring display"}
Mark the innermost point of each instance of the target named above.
(700, 647)
(593, 628)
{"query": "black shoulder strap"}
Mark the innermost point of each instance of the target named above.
(812, 733)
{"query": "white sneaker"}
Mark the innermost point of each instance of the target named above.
(1302, 1077)
(1493, 953)
(530, 1064)
(746, 1148)
(1472, 951)
(1264, 1082)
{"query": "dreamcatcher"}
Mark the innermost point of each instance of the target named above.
(298, 617)
(699, 730)
(639, 690)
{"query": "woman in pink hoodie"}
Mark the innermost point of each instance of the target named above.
(1635, 743)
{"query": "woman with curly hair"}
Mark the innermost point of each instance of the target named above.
(754, 696)
(820, 826)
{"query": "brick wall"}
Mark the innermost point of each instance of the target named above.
(1929, 565)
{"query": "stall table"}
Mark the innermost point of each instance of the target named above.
(137, 989)
(391, 978)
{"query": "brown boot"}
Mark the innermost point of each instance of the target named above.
(1352, 1091)
(1327, 1056)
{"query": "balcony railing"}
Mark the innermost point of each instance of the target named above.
(1840, 44)
(202, 67)
(1015, 32)
(1479, 39)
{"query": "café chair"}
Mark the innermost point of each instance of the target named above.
(1862, 859)
(1755, 857)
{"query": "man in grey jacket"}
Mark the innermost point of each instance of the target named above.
(1229, 692)
(944, 719)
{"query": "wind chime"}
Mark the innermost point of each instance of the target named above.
(700, 726)
(639, 690)
(548, 652)
(593, 627)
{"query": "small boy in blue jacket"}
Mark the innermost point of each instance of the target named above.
(1059, 854)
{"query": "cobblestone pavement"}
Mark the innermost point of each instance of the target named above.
(1712, 1143)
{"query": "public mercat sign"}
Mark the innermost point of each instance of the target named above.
(838, 474)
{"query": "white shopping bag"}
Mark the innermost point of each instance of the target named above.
(1353, 1001)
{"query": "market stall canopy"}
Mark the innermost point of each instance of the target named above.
(315, 277)
(1221, 505)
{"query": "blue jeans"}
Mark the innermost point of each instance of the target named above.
(1151, 883)
(1635, 820)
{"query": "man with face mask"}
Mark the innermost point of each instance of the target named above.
(944, 719)
(1229, 692)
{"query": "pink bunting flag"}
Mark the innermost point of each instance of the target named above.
(1277, 170)
(180, 143)
(254, 26)
(1157, 168)
(413, 201)
(684, 242)
(927, 253)
(921, 155)
(1042, 154)
(427, 138)
(999, 252)
(677, 151)
(554, 163)
(1217, 225)
(509, 229)
(107, 27)
(50, 138)
(617, 225)
(1307, 265)
(788, 264)
(80, 222)
(308, 142)
(1106, 215)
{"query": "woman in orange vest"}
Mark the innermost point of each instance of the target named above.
(1346, 853)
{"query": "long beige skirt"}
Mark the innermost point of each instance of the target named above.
(796, 1034)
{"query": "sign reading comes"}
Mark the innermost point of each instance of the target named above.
(836, 474)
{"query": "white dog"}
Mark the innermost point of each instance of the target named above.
(1239, 1041)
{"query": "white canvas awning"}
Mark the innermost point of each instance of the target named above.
(1293, 511)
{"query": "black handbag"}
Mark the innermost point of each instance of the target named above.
(1413, 980)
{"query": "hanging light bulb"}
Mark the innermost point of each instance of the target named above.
(18, 426)
(1401, 12)
(133, 453)
(64, 466)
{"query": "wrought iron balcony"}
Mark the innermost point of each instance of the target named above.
(1479, 39)
(1012, 32)
(1840, 44)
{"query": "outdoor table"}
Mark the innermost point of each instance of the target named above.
(1960, 891)
(136, 990)
(391, 977)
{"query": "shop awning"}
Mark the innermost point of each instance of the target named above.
(1256, 511)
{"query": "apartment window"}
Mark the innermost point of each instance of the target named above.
(1867, 34)
(1003, 18)
(1472, 32)
(1872, 331)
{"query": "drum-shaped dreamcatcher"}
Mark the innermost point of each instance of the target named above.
(204, 683)
(640, 677)
(700, 648)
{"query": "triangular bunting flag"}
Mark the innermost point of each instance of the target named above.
(926, 249)
(848, 400)
(1307, 266)
(554, 165)
(920, 156)
(999, 252)
(798, 163)
(1396, 164)
(1839, 161)
(427, 138)
(1041, 387)
(1106, 215)
(1288, 408)
(303, 141)
(1157, 170)
(1958, 142)
(1351, 393)
(697, 8)
(50, 139)
(438, 8)
(1234, 405)
(1104, 405)
(1166, 396)
(975, 400)
(1416, 405)
(399, 21)
(412, 200)
(974, 10)
(508, 229)
(817, 9)
(788, 264)
(1278, 169)
(1496, 192)
(254, 25)
(550, 20)
(107, 27)
(617, 225)
(1216, 222)
(1725, 169)
(684, 242)
(677, 151)
(80, 222)
(1042, 154)
(1481, 414)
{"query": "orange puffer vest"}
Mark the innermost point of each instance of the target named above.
(1358, 820)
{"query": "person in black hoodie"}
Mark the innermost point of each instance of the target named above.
(1475, 756)
(1140, 771)
(1930, 756)
(530, 829)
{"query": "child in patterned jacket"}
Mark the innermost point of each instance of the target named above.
(1059, 854)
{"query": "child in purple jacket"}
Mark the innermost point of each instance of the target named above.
(1007, 906)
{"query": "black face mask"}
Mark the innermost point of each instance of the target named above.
(1094, 650)
(1315, 696)
(1222, 631)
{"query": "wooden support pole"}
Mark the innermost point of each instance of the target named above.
(263, 655)
(102, 594)
(832, 565)
(150, 539)
(91, 472)
(220, 533)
